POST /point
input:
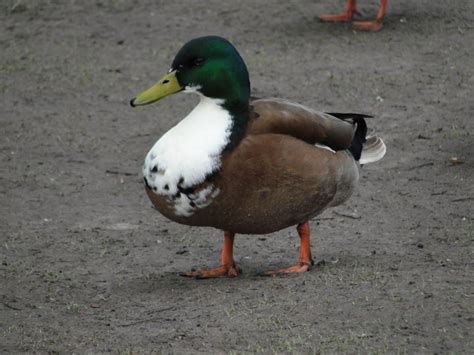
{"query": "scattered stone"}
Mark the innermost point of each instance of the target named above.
(18, 8)
(420, 136)
(455, 161)
(182, 251)
(321, 263)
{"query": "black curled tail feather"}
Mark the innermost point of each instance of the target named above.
(360, 133)
(359, 138)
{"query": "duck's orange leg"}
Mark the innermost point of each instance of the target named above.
(345, 16)
(305, 260)
(373, 25)
(227, 268)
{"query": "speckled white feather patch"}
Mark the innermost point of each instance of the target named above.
(189, 152)
(186, 205)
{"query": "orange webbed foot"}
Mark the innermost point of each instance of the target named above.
(305, 260)
(345, 16)
(230, 270)
(228, 266)
(374, 25)
(336, 18)
(300, 267)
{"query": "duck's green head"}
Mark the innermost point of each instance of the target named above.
(208, 65)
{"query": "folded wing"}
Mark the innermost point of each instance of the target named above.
(284, 117)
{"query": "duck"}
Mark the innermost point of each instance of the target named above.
(371, 25)
(248, 165)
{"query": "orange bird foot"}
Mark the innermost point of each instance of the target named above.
(230, 270)
(374, 25)
(345, 16)
(300, 267)
(305, 260)
(336, 18)
(228, 266)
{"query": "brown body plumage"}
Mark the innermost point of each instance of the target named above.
(276, 176)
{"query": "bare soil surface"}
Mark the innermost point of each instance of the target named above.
(88, 266)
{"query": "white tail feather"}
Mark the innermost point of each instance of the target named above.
(373, 150)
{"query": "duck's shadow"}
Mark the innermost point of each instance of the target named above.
(251, 277)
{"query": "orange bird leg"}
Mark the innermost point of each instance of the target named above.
(376, 24)
(305, 261)
(228, 266)
(345, 16)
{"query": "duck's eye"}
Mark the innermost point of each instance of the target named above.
(198, 61)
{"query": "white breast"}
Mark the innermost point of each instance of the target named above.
(189, 151)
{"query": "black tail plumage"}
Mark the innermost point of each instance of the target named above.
(360, 133)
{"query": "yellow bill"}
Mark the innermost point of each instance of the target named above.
(167, 85)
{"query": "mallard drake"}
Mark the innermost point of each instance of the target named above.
(373, 25)
(250, 166)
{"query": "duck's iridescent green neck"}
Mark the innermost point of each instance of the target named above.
(239, 126)
(235, 99)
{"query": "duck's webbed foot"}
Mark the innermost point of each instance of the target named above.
(230, 270)
(305, 260)
(345, 16)
(300, 267)
(228, 266)
(374, 25)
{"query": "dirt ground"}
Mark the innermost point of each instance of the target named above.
(88, 266)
